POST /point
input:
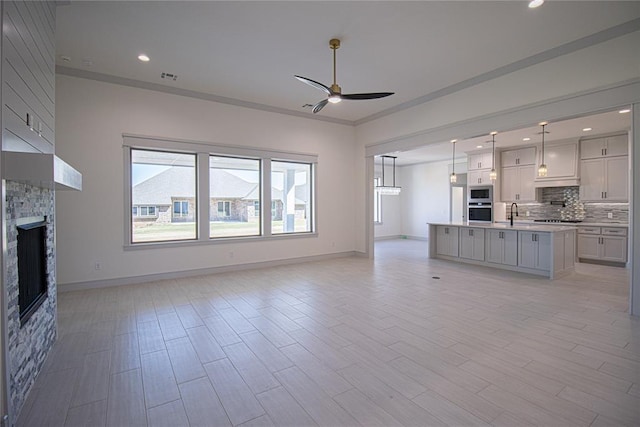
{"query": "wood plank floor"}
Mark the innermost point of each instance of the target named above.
(401, 340)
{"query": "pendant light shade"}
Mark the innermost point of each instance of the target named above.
(493, 175)
(453, 178)
(542, 169)
(389, 190)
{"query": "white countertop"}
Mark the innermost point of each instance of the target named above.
(518, 225)
(577, 224)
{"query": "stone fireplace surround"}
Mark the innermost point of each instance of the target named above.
(28, 345)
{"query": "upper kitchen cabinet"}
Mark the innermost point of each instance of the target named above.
(604, 169)
(562, 164)
(477, 161)
(520, 157)
(517, 184)
(611, 146)
(605, 179)
(28, 76)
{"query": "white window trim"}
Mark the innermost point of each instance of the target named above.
(203, 150)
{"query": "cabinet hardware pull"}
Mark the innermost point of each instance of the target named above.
(30, 121)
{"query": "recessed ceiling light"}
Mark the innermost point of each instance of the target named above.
(587, 129)
(144, 58)
(478, 146)
(526, 139)
(65, 58)
(535, 3)
(625, 111)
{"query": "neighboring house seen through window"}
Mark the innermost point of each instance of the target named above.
(157, 179)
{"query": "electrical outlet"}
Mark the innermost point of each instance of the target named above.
(231, 254)
(526, 213)
(98, 265)
(610, 215)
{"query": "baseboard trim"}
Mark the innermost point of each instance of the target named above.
(395, 237)
(422, 238)
(123, 281)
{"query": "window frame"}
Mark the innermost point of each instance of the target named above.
(202, 151)
(377, 202)
(311, 197)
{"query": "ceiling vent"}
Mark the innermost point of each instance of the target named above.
(169, 76)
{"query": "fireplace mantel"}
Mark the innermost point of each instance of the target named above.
(40, 170)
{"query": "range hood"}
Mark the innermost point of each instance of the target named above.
(40, 170)
(569, 182)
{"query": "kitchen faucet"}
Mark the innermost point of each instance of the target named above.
(511, 217)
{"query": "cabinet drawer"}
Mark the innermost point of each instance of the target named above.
(589, 230)
(614, 231)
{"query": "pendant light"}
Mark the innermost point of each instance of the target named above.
(493, 175)
(389, 190)
(453, 178)
(542, 169)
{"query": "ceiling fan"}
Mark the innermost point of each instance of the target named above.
(334, 93)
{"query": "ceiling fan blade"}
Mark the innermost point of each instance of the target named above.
(319, 106)
(374, 95)
(315, 84)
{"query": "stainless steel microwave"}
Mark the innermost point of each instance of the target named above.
(483, 194)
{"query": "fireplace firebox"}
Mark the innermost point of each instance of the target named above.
(32, 268)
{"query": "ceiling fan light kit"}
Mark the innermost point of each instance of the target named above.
(334, 92)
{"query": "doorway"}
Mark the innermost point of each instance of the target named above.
(458, 202)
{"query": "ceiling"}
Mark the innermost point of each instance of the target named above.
(600, 124)
(248, 52)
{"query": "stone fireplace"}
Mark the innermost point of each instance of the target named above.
(31, 330)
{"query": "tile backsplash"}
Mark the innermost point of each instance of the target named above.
(574, 209)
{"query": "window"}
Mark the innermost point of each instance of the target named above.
(234, 191)
(291, 207)
(377, 202)
(224, 209)
(162, 183)
(176, 188)
(180, 208)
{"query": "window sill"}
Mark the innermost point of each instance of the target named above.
(216, 241)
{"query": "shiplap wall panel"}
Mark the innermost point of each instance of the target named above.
(28, 76)
(32, 39)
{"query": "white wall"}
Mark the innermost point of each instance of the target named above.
(426, 197)
(91, 117)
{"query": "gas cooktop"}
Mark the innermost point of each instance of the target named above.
(572, 221)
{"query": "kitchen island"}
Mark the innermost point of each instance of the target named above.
(543, 250)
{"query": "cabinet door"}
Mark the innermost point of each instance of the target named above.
(613, 248)
(474, 161)
(466, 242)
(509, 158)
(617, 145)
(617, 179)
(527, 156)
(588, 246)
(494, 250)
(592, 148)
(474, 177)
(485, 177)
(447, 240)
(510, 238)
(526, 177)
(561, 161)
(510, 184)
(543, 256)
(527, 249)
(591, 179)
(487, 161)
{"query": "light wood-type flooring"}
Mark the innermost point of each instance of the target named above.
(400, 340)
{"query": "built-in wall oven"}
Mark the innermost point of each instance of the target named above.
(480, 203)
(479, 211)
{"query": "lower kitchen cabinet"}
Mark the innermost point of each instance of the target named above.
(447, 240)
(502, 247)
(472, 243)
(602, 244)
(534, 249)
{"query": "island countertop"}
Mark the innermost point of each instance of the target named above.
(516, 226)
